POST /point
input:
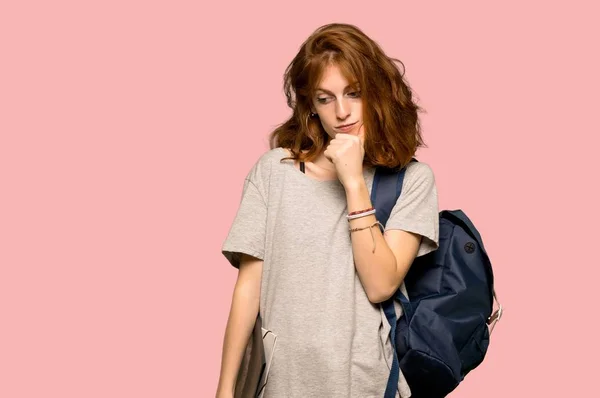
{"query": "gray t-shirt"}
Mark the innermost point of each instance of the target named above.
(331, 340)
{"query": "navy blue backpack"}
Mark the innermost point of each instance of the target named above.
(444, 333)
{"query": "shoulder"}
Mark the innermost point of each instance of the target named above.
(273, 156)
(417, 208)
(261, 171)
(419, 173)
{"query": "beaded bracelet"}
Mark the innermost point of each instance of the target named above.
(361, 213)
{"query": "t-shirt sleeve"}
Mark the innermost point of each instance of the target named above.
(247, 232)
(417, 208)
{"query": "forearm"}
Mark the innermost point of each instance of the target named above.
(374, 260)
(242, 316)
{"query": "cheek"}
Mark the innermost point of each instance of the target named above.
(328, 126)
(325, 120)
(358, 109)
(328, 130)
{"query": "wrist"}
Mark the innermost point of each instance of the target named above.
(355, 185)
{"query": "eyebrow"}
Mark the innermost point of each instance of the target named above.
(354, 86)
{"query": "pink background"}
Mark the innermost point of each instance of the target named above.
(119, 119)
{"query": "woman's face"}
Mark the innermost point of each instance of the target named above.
(338, 104)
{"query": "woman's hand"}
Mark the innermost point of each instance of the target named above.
(346, 152)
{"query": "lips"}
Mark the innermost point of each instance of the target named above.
(346, 127)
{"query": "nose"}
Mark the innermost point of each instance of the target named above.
(342, 109)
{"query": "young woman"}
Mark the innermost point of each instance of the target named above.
(313, 260)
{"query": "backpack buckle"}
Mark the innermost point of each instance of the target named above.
(495, 317)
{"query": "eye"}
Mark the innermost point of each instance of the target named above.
(354, 94)
(322, 100)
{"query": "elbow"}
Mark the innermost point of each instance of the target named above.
(386, 289)
(377, 296)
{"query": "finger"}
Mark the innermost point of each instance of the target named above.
(334, 145)
(343, 136)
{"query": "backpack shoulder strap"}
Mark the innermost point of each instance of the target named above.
(387, 188)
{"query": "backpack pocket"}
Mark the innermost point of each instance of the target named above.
(426, 375)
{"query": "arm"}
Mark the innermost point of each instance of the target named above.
(381, 272)
(243, 313)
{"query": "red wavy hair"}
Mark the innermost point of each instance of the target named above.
(390, 116)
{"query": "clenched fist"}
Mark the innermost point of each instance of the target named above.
(346, 152)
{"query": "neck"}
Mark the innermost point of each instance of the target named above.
(322, 162)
